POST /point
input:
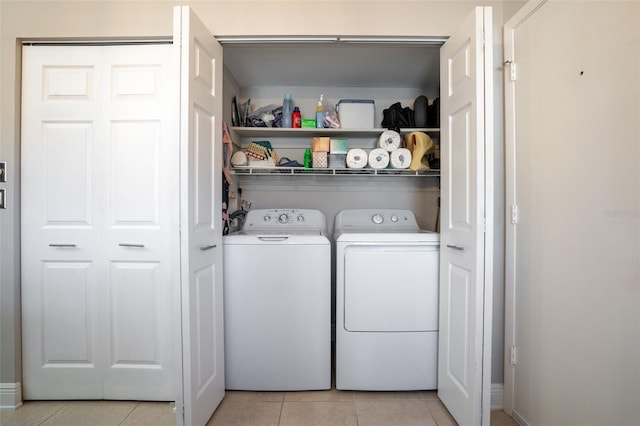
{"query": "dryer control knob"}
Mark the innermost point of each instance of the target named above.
(283, 218)
(377, 219)
(300, 218)
(394, 218)
(267, 218)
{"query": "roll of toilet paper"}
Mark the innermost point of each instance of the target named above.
(378, 158)
(400, 158)
(356, 158)
(389, 140)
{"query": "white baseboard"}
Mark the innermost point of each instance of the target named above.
(497, 396)
(10, 396)
(519, 419)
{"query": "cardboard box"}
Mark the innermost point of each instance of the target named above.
(321, 144)
(319, 160)
(338, 146)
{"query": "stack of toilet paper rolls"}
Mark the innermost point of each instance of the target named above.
(388, 152)
(391, 141)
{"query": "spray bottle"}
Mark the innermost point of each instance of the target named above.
(320, 114)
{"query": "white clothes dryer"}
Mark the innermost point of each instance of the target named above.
(277, 311)
(386, 301)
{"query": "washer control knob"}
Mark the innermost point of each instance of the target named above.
(283, 218)
(300, 218)
(377, 219)
(394, 218)
(267, 218)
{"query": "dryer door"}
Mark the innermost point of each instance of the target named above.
(391, 287)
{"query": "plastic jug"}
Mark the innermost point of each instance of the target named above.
(287, 110)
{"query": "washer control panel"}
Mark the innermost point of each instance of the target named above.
(285, 219)
(378, 220)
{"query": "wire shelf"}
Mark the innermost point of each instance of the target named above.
(300, 171)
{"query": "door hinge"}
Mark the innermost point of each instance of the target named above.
(511, 66)
(513, 356)
(514, 214)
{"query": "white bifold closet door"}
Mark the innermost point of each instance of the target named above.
(100, 240)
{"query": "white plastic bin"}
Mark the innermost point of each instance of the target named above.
(356, 113)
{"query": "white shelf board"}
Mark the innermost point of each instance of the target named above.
(287, 132)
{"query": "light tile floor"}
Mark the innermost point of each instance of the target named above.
(315, 408)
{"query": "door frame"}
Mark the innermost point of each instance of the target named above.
(511, 199)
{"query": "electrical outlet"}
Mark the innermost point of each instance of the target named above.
(3, 198)
(3, 171)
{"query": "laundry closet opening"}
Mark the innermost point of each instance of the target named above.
(259, 72)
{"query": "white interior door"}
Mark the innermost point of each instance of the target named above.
(62, 176)
(97, 172)
(465, 268)
(140, 238)
(201, 217)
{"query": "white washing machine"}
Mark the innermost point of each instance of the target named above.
(386, 301)
(277, 311)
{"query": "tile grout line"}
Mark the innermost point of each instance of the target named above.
(130, 412)
(281, 410)
(54, 412)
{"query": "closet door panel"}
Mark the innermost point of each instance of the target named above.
(68, 299)
(67, 173)
(135, 299)
(135, 174)
(61, 177)
(141, 237)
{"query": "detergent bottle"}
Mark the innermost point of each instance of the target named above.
(287, 110)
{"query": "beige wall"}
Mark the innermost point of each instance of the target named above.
(91, 19)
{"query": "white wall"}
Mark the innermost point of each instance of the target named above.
(147, 18)
(577, 320)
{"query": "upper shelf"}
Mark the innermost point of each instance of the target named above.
(288, 132)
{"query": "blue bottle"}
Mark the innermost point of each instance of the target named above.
(287, 110)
